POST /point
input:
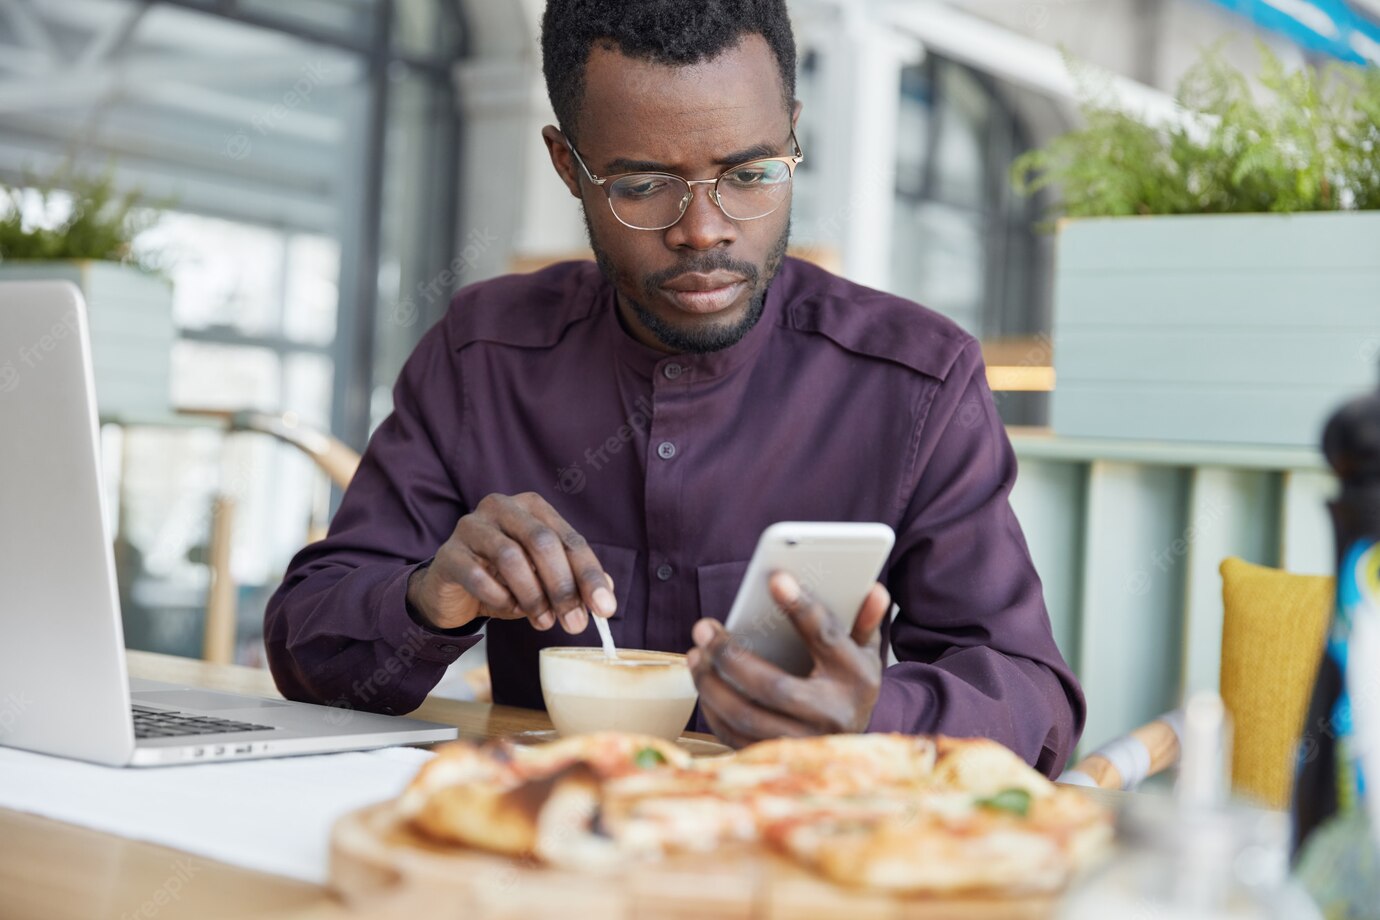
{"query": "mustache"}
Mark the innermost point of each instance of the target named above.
(704, 263)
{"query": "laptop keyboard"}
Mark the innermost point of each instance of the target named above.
(163, 723)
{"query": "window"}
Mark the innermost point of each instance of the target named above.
(271, 128)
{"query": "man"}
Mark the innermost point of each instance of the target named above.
(614, 438)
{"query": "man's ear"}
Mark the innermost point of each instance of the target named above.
(564, 164)
(796, 106)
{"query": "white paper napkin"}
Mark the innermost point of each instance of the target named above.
(271, 815)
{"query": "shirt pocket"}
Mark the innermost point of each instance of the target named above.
(621, 564)
(718, 584)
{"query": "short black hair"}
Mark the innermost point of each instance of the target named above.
(677, 32)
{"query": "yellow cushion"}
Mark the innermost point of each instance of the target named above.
(1273, 633)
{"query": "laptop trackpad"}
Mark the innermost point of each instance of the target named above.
(200, 699)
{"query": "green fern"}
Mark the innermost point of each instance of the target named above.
(101, 223)
(1312, 145)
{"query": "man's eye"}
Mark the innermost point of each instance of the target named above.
(642, 188)
(748, 176)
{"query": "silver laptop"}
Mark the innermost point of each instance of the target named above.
(64, 689)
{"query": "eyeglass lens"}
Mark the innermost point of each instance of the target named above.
(653, 201)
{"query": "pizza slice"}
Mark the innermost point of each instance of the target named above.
(528, 800)
(983, 821)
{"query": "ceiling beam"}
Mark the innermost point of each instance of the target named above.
(111, 40)
(158, 82)
(30, 28)
(1021, 60)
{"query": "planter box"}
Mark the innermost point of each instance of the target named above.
(132, 331)
(1239, 329)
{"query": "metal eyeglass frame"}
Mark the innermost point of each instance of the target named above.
(791, 162)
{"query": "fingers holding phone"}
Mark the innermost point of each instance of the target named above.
(746, 698)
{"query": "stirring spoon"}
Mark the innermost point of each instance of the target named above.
(605, 636)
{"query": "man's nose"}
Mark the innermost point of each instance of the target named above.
(704, 225)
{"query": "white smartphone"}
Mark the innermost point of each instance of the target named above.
(837, 562)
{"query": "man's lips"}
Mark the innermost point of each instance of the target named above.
(704, 293)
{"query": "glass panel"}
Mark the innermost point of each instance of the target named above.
(913, 127)
(939, 259)
(962, 242)
(349, 20)
(172, 479)
(246, 130)
(809, 225)
(166, 492)
(418, 269)
(425, 29)
(961, 161)
(233, 377)
(307, 389)
(313, 289)
(225, 275)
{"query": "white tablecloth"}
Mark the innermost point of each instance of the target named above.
(271, 815)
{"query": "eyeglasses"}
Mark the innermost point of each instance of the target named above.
(656, 201)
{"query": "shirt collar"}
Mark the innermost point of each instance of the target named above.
(648, 361)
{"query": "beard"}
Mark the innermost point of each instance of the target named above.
(714, 337)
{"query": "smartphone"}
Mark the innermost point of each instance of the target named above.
(837, 562)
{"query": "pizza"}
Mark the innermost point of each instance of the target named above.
(518, 800)
(886, 812)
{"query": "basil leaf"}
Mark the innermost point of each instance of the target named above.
(1016, 801)
(649, 757)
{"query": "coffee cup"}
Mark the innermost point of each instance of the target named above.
(650, 693)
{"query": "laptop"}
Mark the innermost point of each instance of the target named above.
(64, 689)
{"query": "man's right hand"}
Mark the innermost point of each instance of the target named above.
(513, 557)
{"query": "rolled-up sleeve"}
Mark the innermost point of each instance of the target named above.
(976, 653)
(339, 629)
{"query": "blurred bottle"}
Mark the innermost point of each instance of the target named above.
(1197, 856)
(1335, 845)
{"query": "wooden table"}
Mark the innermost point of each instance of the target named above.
(55, 871)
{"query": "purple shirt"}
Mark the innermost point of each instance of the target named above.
(841, 404)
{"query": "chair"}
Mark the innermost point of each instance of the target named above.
(1273, 631)
(334, 458)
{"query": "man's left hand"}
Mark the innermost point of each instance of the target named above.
(745, 698)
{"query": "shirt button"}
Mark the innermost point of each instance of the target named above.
(664, 572)
(672, 371)
(448, 649)
(666, 450)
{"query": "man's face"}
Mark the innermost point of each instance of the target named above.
(692, 121)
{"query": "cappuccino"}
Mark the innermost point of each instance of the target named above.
(650, 693)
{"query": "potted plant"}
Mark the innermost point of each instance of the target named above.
(78, 228)
(1218, 279)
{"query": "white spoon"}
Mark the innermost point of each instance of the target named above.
(606, 637)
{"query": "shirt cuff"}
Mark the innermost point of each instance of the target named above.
(905, 706)
(402, 627)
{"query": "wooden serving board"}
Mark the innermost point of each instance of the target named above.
(382, 869)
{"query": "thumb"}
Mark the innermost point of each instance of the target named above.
(866, 631)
